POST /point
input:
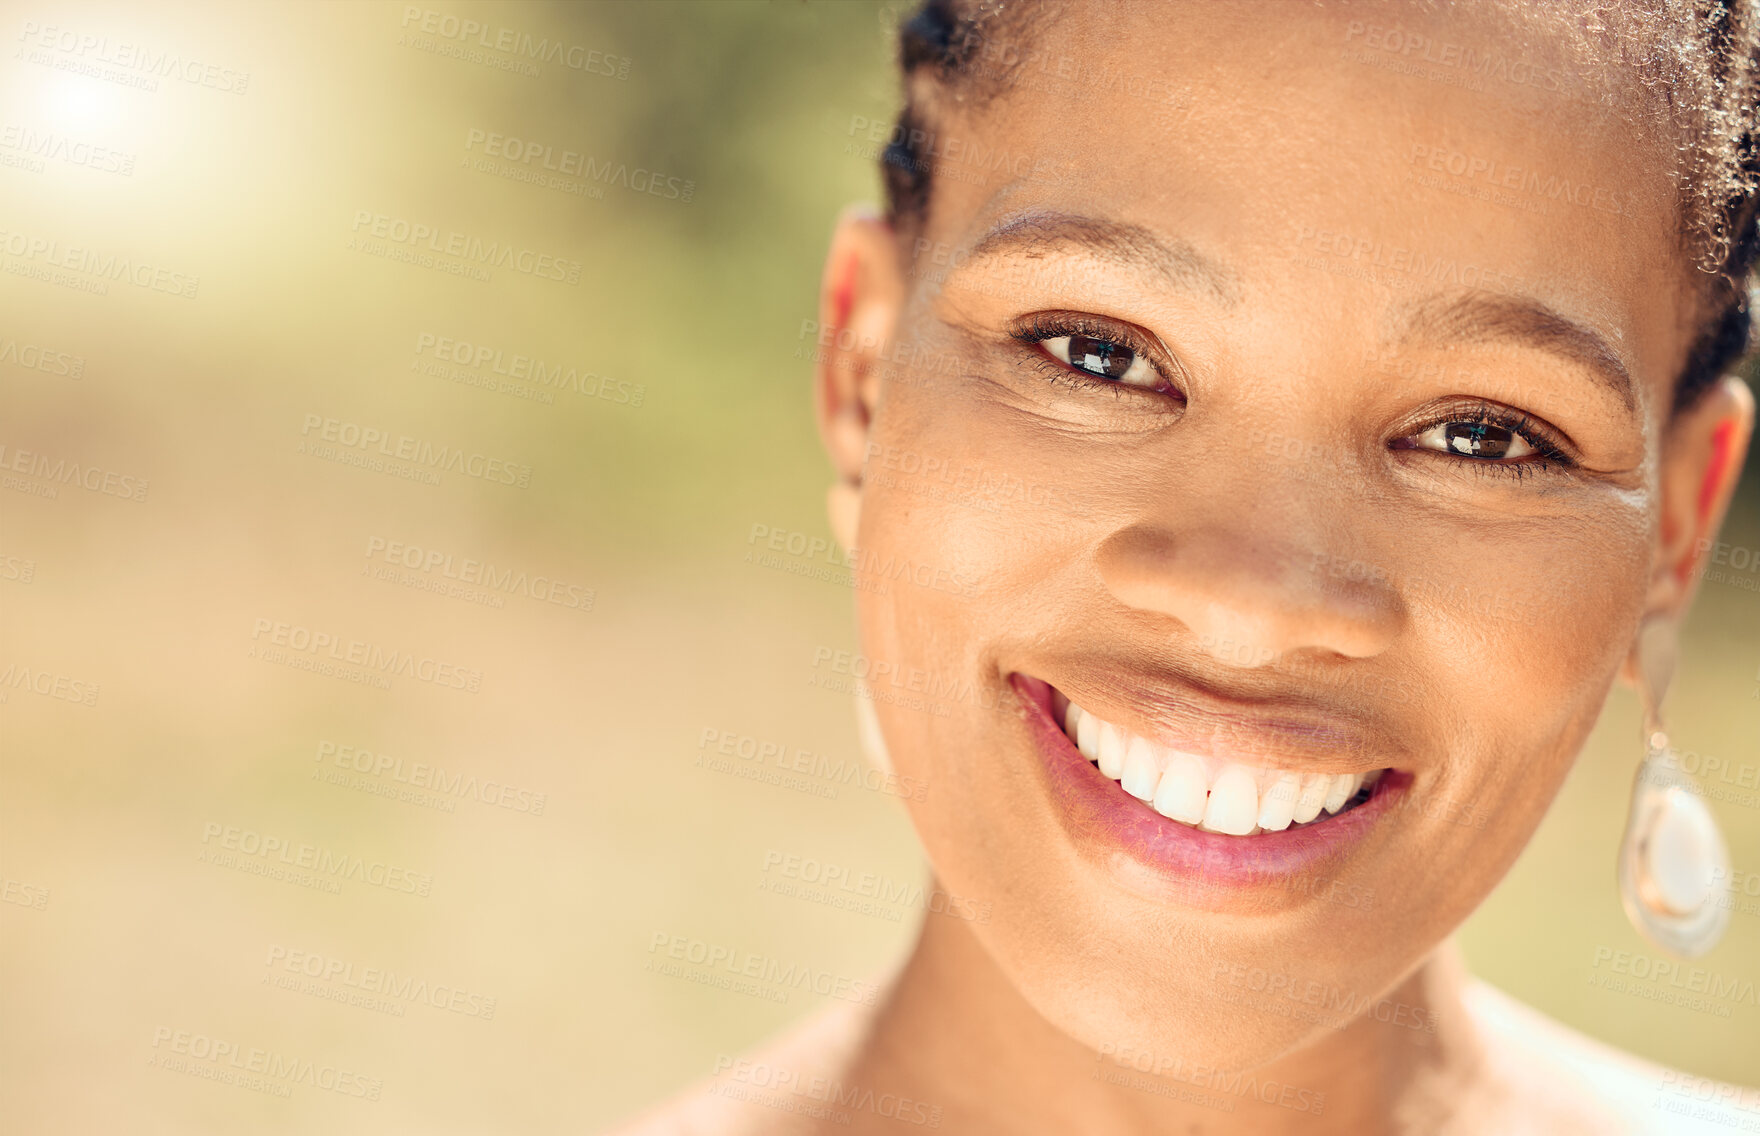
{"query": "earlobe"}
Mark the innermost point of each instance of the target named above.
(1651, 662)
(843, 504)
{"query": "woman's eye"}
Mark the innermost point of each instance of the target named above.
(1102, 358)
(1472, 439)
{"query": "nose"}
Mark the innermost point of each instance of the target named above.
(1248, 597)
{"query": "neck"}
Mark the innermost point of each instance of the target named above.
(956, 1035)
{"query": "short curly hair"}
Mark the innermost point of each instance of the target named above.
(1698, 60)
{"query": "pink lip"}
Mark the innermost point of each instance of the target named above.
(1171, 861)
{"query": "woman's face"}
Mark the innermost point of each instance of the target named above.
(1290, 400)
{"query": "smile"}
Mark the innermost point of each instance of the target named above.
(1176, 821)
(1207, 792)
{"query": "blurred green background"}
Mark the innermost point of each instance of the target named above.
(117, 936)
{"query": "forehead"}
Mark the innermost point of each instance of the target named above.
(1391, 150)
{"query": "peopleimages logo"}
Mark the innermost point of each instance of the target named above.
(337, 865)
(424, 456)
(40, 145)
(1333, 1005)
(574, 164)
(61, 471)
(886, 681)
(527, 368)
(470, 571)
(276, 638)
(1478, 62)
(19, 676)
(464, 246)
(759, 976)
(378, 983)
(761, 752)
(1232, 1083)
(100, 57)
(513, 42)
(838, 881)
(225, 1060)
(1670, 983)
(34, 357)
(422, 775)
(867, 569)
(100, 265)
(791, 1090)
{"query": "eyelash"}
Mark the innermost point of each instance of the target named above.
(1037, 328)
(1548, 457)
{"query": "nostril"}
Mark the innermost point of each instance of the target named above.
(1246, 601)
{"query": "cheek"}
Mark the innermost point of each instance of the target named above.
(1520, 638)
(1523, 628)
(955, 561)
(953, 519)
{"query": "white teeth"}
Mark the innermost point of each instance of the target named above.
(1277, 807)
(1183, 789)
(1087, 733)
(1141, 770)
(1234, 801)
(1225, 797)
(1338, 792)
(1112, 745)
(1313, 795)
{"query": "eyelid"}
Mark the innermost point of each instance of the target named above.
(1037, 327)
(1551, 443)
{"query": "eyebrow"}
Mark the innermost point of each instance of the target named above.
(1475, 318)
(1174, 262)
(1481, 318)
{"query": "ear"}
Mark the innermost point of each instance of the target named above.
(1701, 464)
(859, 303)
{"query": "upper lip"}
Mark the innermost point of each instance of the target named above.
(1182, 714)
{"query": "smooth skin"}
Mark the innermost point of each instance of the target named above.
(1268, 527)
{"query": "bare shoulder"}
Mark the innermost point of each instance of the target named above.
(1559, 1080)
(780, 1089)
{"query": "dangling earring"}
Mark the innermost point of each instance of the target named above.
(868, 734)
(1673, 857)
(843, 502)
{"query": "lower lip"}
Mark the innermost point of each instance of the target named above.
(1173, 861)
